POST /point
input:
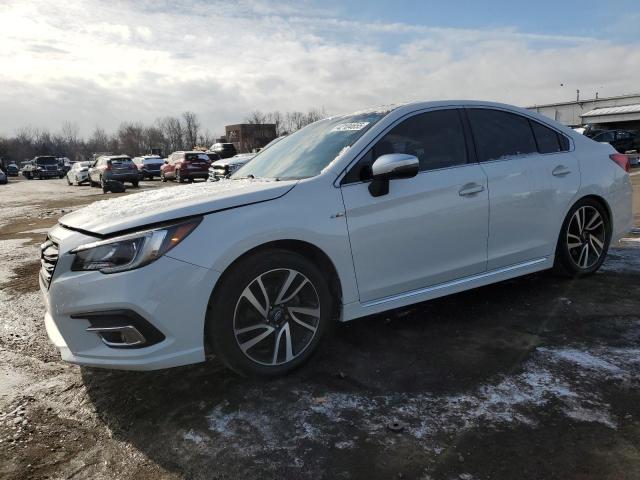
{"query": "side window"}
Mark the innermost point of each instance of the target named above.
(622, 135)
(547, 139)
(436, 138)
(605, 137)
(500, 134)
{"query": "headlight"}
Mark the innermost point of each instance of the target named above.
(234, 166)
(131, 251)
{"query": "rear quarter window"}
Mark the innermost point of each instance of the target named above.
(547, 139)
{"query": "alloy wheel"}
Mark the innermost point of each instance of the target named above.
(276, 317)
(586, 236)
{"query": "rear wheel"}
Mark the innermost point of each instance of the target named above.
(135, 183)
(584, 239)
(162, 177)
(269, 313)
(68, 181)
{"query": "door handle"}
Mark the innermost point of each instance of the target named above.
(470, 189)
(560, 171)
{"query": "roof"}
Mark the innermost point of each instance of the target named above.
(635, 108)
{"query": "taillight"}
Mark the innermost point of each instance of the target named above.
(621, 159)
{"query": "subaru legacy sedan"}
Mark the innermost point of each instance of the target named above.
(350, 216)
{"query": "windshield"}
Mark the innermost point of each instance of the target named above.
(47, 161)
(308, 151)
(120, 161)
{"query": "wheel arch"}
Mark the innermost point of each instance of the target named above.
(602, 201)
(308, 250)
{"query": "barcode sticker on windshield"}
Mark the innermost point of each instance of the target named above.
(348, 127)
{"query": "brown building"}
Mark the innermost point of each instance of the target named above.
(248, 136)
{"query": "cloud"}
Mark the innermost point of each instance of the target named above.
(99, 63)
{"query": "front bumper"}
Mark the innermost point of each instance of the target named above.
(169, 294)
(48, 173)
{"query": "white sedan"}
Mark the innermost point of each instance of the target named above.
(78, 173)
(350, 216)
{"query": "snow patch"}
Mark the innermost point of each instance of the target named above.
(152, 200)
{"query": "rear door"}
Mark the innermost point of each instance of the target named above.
(532, 180)
(427, 230)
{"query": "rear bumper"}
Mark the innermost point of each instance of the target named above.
(188, 174)
(123, 177)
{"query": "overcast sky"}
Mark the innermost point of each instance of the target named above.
(99, 63)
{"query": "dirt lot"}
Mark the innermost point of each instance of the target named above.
(532, 378)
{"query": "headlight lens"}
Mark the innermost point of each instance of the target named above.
(131, 251)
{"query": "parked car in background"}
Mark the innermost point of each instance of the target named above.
(149, 165)
(225, 167)
(213, 156)
(185, 167)
(12, 170)
(3, 178)
(65, 164)
(350, 216)
(113, 167)
(225, 150)
(44, 166)
(78, 173)
(622, 140)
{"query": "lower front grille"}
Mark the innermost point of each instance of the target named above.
(48, 260)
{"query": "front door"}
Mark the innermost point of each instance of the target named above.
(427, 230)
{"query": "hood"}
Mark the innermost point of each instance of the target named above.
(123, 213)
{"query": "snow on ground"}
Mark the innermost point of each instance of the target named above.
(548, 378)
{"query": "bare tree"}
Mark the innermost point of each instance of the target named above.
(172, 130)
(190, 129)
(131, 138)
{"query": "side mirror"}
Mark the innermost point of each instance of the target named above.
(389, 167)
(166, 162)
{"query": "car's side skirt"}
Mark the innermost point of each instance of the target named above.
(357, 309)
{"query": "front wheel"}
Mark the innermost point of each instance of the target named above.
(179, 178)
(162, 177)
(135, 183)
(269, 313)
(584, 239)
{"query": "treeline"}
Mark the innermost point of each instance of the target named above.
(134, 138)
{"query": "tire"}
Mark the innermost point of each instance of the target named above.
(103, 185)
(162, 177)
(68, 181)
(229, 311)
(179, 178)
(135, 183)
(584, 239)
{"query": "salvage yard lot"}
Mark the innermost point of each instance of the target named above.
(536, 377)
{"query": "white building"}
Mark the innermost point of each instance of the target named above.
(621, 112)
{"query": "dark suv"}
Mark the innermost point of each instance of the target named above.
(185, 166)
(621, 140)
(224, 150)
(42, 167)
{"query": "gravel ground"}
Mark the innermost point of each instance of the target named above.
(531, 378)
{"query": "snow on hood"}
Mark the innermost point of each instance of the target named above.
(110, 216)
